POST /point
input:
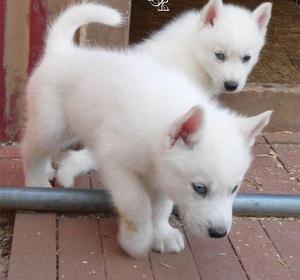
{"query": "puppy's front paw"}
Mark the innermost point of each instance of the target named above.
(170, 240)
(135, 240)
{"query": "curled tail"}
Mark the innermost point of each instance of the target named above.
(62, 32)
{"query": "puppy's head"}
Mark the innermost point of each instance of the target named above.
(203, 166)
(229, 42)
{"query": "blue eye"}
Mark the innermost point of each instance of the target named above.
(200, 188)
(220, 56)
(234, 189)
(246, 58)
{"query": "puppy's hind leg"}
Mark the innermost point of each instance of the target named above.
(166, 238)
(74, 164)
(36, 161)
(42, 137)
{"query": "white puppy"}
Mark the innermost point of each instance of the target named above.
(217, 47)
(157, 137)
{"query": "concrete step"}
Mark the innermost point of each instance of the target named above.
(284, 99)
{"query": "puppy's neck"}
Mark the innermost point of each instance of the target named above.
(173, 46)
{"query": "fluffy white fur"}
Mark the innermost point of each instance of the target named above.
(188, 44)
(151, 131)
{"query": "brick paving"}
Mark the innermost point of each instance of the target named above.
(54, 246)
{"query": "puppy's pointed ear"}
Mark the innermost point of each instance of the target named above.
(186, 127)
(253, 126)
(262, 15)
(211, 11)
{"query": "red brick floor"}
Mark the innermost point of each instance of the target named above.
(52, 246)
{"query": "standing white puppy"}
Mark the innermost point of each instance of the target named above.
(157, 137)
(217, 47)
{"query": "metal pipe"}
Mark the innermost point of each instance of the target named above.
(55, 200)
(83, 200)
(267, 205)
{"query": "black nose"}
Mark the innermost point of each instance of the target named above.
(230, 85)
(217, 233)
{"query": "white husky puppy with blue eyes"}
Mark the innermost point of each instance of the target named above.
(217, 47)
(154, 135)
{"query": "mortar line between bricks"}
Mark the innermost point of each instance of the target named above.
(192, 252)
(57, 245)
(239, 259)
(276, 248)
(270, 144)
(90, 180)
(102, 246)
(151, 267)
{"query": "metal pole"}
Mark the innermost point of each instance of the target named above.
(267, 205)
(82, 200)
(55, 200)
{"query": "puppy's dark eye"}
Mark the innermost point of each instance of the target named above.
(200, 188)
(246, 58)
(234, 189)
(220, 56)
